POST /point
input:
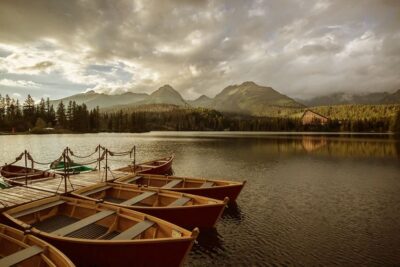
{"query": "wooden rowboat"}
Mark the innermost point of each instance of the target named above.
(218, 189)
(25, 250)
(17, 174)
(73, 168)
(185, 210)
(96, 234)
(158, 166)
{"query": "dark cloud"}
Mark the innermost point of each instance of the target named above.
(301, 48)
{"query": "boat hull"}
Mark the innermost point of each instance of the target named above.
(122, 254)
(144, 168)
(189, 217)
(16, 174)
(217, 192)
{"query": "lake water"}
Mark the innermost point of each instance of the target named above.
(309, 199)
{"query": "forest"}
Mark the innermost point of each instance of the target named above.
(43, 117)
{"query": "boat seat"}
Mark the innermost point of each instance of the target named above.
(171, 184)
(138, 198)
(96, 190)
(162, 161)
(38, 208)
(82, 223)
(146, 166)
(207, 184)
(20, 256)
(134, 231)
(180, 202)
(133, 179)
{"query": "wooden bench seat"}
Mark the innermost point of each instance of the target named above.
(83, 223)
(38, 208)
(133, 179)
(20, 256)
(171, 184)
(134, 231)
(146, 166)
(96, 190)
(138, 198)
(207, 184)
(180, 202)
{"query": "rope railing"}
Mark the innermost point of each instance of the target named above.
(123, 153)
(83, 157)
(40, 163)
(69, 164)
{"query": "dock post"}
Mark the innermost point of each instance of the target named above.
(26, 167)
(99, 148)
(134, 158)
(106, 163)
(65, 171)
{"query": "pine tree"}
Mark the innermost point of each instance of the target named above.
(61, 116)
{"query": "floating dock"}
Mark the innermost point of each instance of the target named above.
(18, 195)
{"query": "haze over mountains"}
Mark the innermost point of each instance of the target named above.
(345, 98)
(246, 98)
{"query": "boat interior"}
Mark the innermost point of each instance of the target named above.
(75, 218)
(131, 195)
(17, 249)
(169, 182)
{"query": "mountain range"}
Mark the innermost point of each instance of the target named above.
(247, 98)
(345, 98)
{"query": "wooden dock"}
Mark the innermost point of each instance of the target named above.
(77, 181)
(17, 195)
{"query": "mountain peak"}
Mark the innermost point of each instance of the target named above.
(91, 92)
(249, 83)
(166, 95)
(202, 97)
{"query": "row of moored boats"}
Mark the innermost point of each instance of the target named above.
(145, 218)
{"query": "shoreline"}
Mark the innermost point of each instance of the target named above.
(213, 132)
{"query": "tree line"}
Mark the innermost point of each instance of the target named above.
(42, 117)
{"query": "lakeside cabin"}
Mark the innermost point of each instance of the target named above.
(313, 118)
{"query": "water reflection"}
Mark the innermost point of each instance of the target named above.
(233, 212)
(310, 143)
(329, 146)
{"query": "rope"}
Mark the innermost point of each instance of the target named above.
(37, 162)
(83, 157)
(16, 160)
(123, 153)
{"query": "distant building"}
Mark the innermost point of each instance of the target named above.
(312, 118)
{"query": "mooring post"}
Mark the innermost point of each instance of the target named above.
(106, 163)
(99, 148)
(26, 167)
(134, 158)
(65, 172)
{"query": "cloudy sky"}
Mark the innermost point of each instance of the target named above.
(302, 48)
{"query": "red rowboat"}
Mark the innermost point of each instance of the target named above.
(218, 189)
(159, 166)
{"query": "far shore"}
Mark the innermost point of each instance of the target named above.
(208, 131)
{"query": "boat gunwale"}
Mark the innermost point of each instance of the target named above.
(47, 247)
(191, 235)
(229, 183)
(168, 159)
(217, 203)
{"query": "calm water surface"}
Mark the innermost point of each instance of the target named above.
(310, 199)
